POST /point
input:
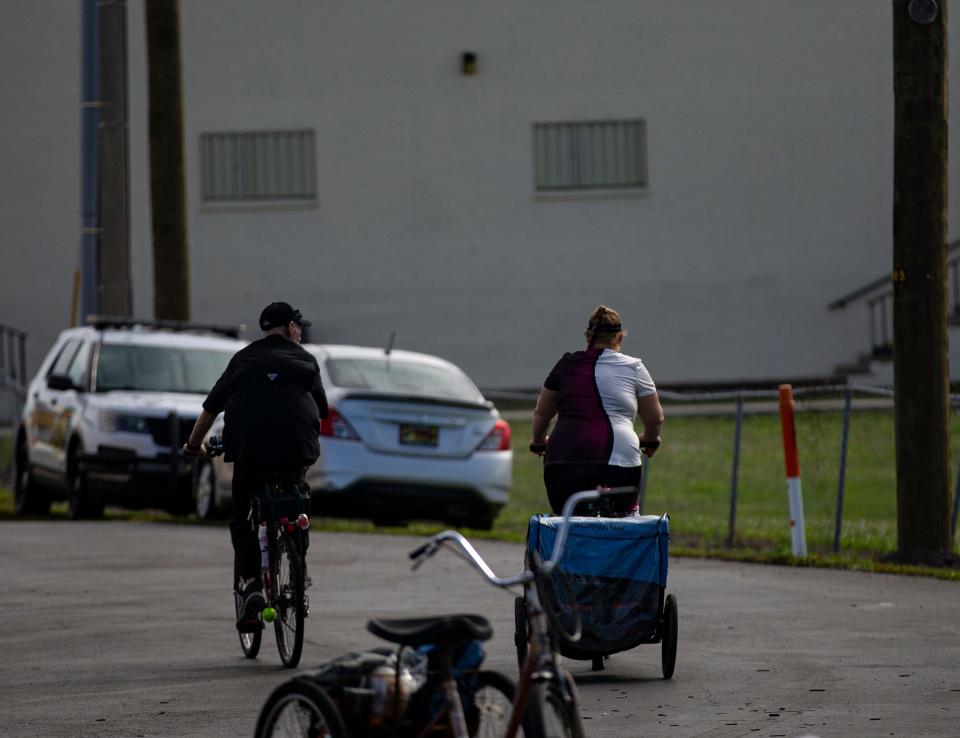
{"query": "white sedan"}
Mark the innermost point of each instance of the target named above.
(409, 437)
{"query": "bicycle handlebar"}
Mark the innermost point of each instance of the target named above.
(214, 446)
(462, 546)
(540, 448)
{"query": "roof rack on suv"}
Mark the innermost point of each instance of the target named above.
(100, 322)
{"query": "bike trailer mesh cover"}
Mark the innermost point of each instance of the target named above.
(615, 571)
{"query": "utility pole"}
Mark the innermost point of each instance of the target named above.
(87, 285)
(114, 267)
(171, 276)
(921, 377)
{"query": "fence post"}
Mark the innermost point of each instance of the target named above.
(737, 430)
(842, 476)
(792, 462)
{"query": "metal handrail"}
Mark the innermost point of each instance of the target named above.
(876, 284)
(13, 368)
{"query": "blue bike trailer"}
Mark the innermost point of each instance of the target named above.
(614, 573)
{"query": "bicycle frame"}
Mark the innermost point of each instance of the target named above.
(453, 707)
(265, 533)
(540, 662)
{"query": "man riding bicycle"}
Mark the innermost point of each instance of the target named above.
(273, 399)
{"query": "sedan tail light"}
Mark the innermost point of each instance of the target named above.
(497, 439)
(336, 426)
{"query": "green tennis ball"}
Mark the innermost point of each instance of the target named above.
(268, 614)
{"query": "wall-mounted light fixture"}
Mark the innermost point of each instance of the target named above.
(468, 63)
(923, 12)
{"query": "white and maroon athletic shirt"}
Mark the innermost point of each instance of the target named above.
(597, 393)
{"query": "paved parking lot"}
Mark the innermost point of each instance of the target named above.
(125, 629)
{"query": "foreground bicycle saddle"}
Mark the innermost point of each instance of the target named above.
(420, 631)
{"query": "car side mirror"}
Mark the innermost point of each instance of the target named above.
(60, 382)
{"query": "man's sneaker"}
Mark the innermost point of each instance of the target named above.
(249, 606)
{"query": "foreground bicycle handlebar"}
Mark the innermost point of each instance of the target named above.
(463, 546)
(546, 693)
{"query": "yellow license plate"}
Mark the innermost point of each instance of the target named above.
(414, 434)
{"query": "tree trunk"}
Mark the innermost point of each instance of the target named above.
(921, 377)
(171, 274)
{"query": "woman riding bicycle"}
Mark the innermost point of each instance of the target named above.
(596, 394)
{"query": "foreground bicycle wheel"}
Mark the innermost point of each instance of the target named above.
(300, 709)
(488, 714)
(553, 710)
(288, 596)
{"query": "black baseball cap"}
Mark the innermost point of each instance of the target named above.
(278, 314)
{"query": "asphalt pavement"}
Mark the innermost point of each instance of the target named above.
(126, 629)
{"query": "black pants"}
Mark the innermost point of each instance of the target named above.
(247, 481)
(562, 480)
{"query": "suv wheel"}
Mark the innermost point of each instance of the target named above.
(28, 498)
(80, 503)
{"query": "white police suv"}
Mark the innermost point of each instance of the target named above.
(108, 410)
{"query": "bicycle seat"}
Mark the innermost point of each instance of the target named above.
(280, 476)
(611, 503)
(420, 631)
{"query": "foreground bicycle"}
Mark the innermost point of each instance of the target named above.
(281, 514)
(433, 686)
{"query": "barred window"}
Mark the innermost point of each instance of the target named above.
(258, 165)
(586, 155)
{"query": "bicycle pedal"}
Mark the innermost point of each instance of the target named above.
(306, 606)
(307, 582)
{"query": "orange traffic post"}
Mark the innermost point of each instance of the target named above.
(798, 532)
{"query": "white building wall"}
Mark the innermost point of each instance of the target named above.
(770, 161)
(39, 169)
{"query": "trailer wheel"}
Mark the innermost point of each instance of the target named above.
(669, 636)
(521, 633)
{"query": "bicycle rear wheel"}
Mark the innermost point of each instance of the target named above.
(250, 643)
(300, 709)
(553, 711)
(288, 599)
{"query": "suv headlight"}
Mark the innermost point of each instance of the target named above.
(119, 423)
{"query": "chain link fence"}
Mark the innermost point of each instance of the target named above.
(720, 473)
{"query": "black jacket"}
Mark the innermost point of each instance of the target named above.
(274, 400)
